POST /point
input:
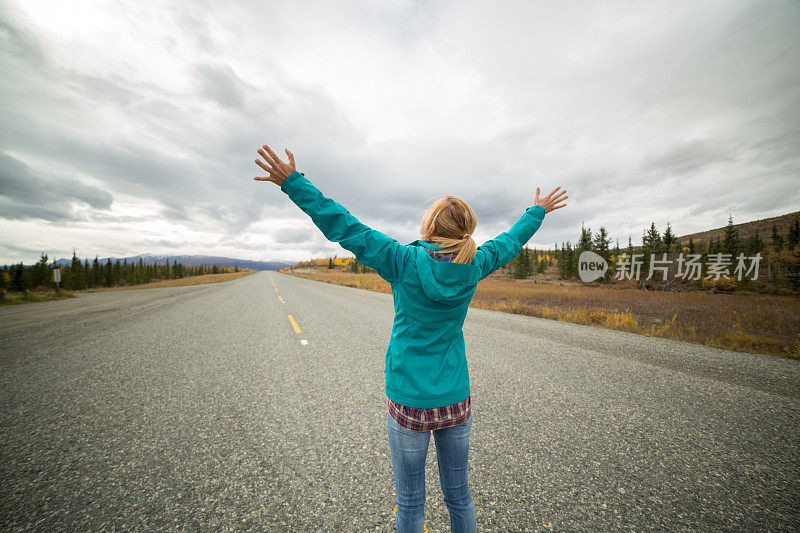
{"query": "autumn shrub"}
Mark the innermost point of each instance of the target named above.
(719, 285)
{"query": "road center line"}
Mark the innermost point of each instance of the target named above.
(294, 324)
(281, 299)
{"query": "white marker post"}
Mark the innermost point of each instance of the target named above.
(57, 277)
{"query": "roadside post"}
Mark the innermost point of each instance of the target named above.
(57, 277)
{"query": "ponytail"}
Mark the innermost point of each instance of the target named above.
(450, 224)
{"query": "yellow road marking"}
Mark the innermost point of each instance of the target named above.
(294, 324)
(394, 512)
(280, 298)
(276, 289)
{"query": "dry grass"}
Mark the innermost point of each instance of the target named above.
(371, 282)
(16, 298)
(42, 295)
(750, 322)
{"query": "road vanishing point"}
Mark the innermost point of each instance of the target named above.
(258, 404)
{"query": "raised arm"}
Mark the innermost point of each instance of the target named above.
(371, 247)
(495, 253)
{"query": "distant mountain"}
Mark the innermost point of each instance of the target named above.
(746, 229)
(187, 260)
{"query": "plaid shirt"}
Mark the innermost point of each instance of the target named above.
(434, 418)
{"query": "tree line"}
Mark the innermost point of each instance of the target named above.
(343, 264)
(780, 254)
(85, 275)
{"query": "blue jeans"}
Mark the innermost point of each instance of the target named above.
(409, 449)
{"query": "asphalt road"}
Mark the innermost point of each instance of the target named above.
(199, 408)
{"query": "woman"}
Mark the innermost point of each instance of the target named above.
(433, 281)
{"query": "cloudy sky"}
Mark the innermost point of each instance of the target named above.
(131, 127)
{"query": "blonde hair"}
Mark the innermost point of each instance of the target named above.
(450, 224)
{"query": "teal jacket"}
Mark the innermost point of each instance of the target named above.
(426, 364)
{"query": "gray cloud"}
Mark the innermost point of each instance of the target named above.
(24, 194)
(293, 235)
(222, 85)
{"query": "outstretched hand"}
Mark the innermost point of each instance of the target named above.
(278, 170)
(550, 202)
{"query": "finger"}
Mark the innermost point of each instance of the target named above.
(267, 157)
(553, 192)
(274, 156)
(263, 153)
(264, 166)
(559, 206)
(261, 178)
(536, 198)
(558, 196)
(291, 157)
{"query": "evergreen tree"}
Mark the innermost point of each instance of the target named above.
(519, 265)
(629, 250)
(651, 244)
(529, 264)
(330, 263)
(651, 240)
(754, 244)
(691, 245)
(117, 275)
(669, 240)
(97, 272)
(794, 234)
(585, 241)
(177, 270)
(777, 239)
(561, 260)
(108, 273)
(18, 278)
(77, 280)
(730, 244)
(793, 275)
(40, 273)
(566, 266)
(87, 274)
(602, 244)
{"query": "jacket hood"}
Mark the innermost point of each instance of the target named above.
(442, 280)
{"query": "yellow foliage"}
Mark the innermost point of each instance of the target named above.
(719, 285)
